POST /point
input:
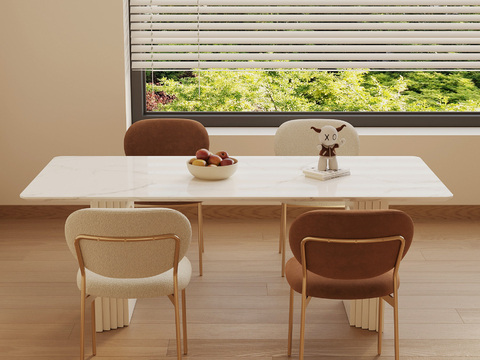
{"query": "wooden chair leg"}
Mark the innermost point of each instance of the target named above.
(280, 238)
(94, 330)
(302, 325)
(396, 326)
(184, 320)
(200, 238)
(290, 322)
(177, 325)
(381, 306)
(82, 325)
(283, 235)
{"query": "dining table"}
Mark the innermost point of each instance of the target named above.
(374, 182)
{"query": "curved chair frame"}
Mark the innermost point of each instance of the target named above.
(173, 297)
(391, 299)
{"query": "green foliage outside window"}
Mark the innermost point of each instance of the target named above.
(298, 90)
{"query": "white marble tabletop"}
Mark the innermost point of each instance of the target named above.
(269, 178)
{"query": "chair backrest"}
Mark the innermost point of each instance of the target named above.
(295, 138)
(128, 259)
(351, 259)
(165, 137)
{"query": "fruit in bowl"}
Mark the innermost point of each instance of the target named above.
(227, 161)
(223, 154)
(214, 160)
(203, 154)
(199, 162)
(208, 166)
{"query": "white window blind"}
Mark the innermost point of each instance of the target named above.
(305, 34)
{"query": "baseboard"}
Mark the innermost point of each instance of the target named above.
(439, 212)
(38, 211)
(417, 212)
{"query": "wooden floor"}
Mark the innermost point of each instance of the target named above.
(238, 309)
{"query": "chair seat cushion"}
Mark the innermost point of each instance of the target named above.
(322, 287)
(154, 286)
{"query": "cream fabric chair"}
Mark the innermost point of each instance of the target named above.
(130, 253)
(296, 138)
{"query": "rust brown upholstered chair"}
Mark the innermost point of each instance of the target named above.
(130, 253)
(347, 255)
(169, 137)
(295, 138)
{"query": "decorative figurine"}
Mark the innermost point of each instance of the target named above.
(328, 136)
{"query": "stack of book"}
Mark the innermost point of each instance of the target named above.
(314, 173)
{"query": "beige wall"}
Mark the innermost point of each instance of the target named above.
(62, 92)
(454, 159)
(62, 85)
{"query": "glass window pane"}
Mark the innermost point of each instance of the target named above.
(311, 91)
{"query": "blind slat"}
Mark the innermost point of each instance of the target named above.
(305, 49)
(303, 9)
(359, 40)
(291, 18)
(303, 2)
(308, 26)
(306, 57)
(272, 36)
(434, 65)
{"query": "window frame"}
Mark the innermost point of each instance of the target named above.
(275, 119)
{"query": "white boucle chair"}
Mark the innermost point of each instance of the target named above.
(296, 138)
(130, 253)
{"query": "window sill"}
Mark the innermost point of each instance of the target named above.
(365, 131)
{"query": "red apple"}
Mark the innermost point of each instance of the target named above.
(223, 154)
(214, 159)
(202, 154)
(226, 162)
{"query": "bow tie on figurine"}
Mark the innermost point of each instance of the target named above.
(328, 136)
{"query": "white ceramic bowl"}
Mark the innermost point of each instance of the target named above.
(213, 172)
